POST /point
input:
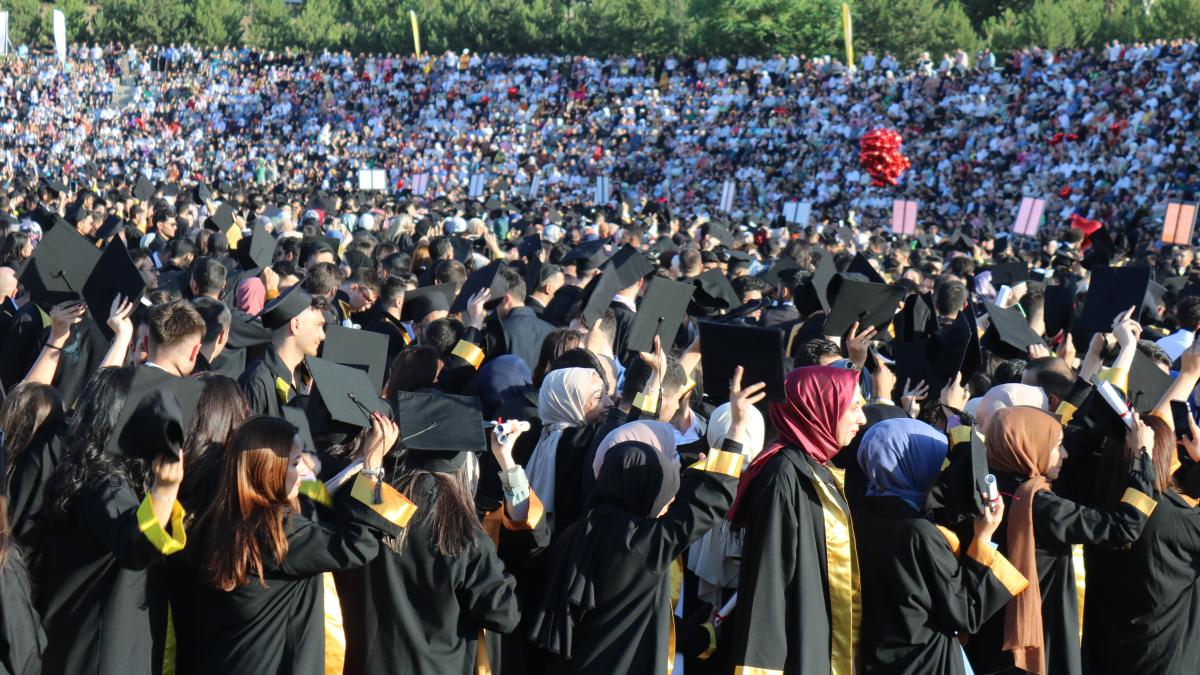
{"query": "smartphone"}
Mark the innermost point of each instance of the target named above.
(1182, 418)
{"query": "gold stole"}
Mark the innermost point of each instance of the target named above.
(845, 589)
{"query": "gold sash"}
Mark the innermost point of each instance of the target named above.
(845, 590)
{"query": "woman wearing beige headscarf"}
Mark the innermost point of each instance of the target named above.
(1007, 396)
(1039, 630)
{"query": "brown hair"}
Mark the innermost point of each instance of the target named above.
(220, 409)
(556, 343)
(173, 322)
(414, 368)
(1116, 462)
(30, 410)
(250, 505)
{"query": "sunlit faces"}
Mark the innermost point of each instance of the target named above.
(849, 424)
(598, 400)
(309, 330)
(1057, 456)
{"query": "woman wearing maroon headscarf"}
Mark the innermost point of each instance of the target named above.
(799, 606)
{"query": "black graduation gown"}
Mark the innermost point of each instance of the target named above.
(536, 306)
(83, 353)
(784, 614)
(418, 611)
(1144, 615)
(279, 629)
(523, 335)
(625, 317)
(21, 638)
(27, 494)
(920, 591)
(103, 598)
(264, 383)
(247, 337)
(1057, 524)
(630, 627)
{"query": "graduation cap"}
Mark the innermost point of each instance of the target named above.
(1100, 250)
(461, 248)
(260, 251)
(286, 307)
(530, 246)
(421, 302)
(713, 293)
(538, 273)
(345, 392)
(485, 277)
(957, 494)
(201, 194)
(1112, 290)
(1008, 335)
(958, 241)
(823, 274)
(56, 186)
(109, 227)
(630, 265)
(362, 349)
(59, 268)
(598, 295)
(722, 236)
(114, 275)
(143, 189)
(158, 409)
(1058, 309)
(587, 256)
(298, 418)
(222, 218)
(1147, 383)
(664, 245)
(1009, 273)
(725, 346)
(438, 430)
(660, 313)
(784, 271)
(860, 265)
(917, 319)
(861, 302)
(956, 348)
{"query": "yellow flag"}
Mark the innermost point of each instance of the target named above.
(849, 29)
(416, 33)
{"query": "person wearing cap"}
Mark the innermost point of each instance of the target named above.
(102, 597)
(261, 551)
(429, 600)
(296, 320)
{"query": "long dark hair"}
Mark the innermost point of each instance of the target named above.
(85, 460)
(12, 248)
(416, 367)
(1116, 462)
(557, 342)
(221, 408)
(448, 510)
(248, 511)
(30, 411)
(10, 553)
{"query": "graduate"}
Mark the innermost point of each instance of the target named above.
(421, 605)
(607, 606)
(22, 640)
(259, 557)
(111, 519)
(921, 587)
(297, 324)
(799, 597)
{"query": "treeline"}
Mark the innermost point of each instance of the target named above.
(810, 27)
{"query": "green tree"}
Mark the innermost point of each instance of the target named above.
(141, 21)
(319, 25)
(1171, 19)
(78, 16)
(766, 26)
(26, 25)
(908, 27)
(217, 22)
(270, 25)
(627, 27)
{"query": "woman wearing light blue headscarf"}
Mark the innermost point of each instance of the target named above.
(921, 588)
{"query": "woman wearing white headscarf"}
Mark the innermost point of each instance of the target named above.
(1008, 396)
(570, 404)
(658, 435)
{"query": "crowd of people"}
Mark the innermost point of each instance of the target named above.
(259, 420)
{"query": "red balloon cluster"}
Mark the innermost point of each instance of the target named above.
(879, 154)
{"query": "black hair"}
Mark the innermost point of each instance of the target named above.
(209, 276)
(810, 353)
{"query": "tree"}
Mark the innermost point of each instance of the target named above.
(217, 22)
(141, 21)
(906, 28)
(627, 27)
(25, 23)
(319, 26)
(766, 26)
(78, 16)
(1170, 19)
(270, 25)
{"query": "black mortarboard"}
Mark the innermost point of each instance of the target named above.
(1008, 335)
(461, 248)
(914, 363)
(299, 419)
(362, 349)
(784, 271)
(114, 274)
(56, 186)
(713, 294)
(862, 302)
(109, 227)
(421, 302)
(956, 348)
(156, 414)
(346, 392)
(598, 295)
(860, 265)
(1112, 290)
(630, 265)
(485, 277)
(823, 274)
(277, 313)
(722, 236)
(957, 494)
(143, 189)
(587, 256)
(201, 194)
(59, 267)
(1147, 383)
(958, 241)
(437, 430)
(261, 251)
(660, 313)
(1058, 309)
(917, 319)
(664, 245)
(1101, 249)
(1009, 273)
(222, 217)
(530, 246)
(725, 346)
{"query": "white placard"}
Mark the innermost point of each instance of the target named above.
(727, 194)
(372, 179)
(420, 183)
(477, 184)
(60, 35)
(603, 190)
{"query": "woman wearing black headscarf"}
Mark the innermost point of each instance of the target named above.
(607, 608)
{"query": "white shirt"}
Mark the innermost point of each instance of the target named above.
(1176, 343)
